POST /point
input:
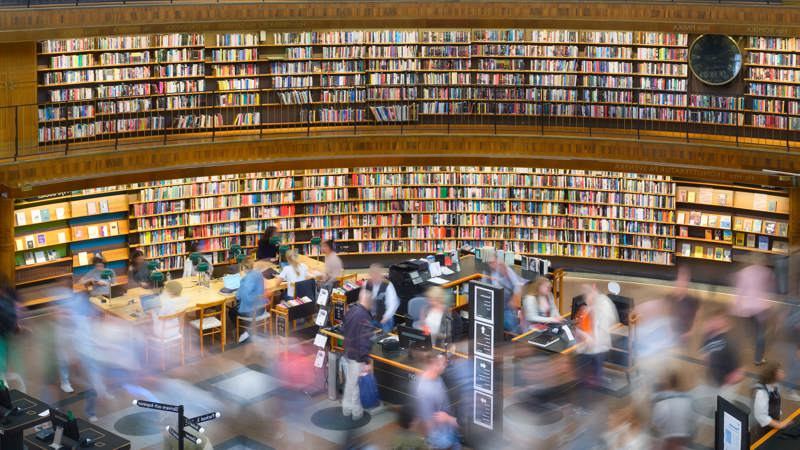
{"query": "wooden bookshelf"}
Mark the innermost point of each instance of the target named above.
(110, 87)
(755, 219)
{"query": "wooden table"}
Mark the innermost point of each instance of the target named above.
(127, 307)
(103, 439)
(11, 432)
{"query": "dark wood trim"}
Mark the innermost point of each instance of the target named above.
(29, 24)
(708, 162)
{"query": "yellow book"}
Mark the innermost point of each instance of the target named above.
(698, 251)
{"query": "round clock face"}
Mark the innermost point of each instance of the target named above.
(715, 59)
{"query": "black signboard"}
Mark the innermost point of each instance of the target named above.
(484, 410)
(280, 325)
(484, 340)
(204, 417)
(157, 406)
(484, 375)
(484, 304)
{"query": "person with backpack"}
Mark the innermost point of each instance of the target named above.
(673, 419)
(767, 401)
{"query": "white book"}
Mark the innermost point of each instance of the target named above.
(93, 232)
(36, 216)
(21, 220)
(83, 259)
(59, 213)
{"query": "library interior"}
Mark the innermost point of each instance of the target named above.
(238, 224)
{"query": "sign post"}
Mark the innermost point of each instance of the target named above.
(486, 312)
(180, 434)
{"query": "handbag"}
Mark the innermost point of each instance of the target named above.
(368, 391)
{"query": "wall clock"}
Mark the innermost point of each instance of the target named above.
(715, 59)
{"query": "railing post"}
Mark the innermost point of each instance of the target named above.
(16, 131)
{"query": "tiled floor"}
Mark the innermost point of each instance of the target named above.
(259, 412)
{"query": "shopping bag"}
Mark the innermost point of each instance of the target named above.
(368, 390)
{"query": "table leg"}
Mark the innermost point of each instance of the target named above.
(333, 371)
(11, 440)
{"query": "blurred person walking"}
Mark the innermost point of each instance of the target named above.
(433, 405)
(358, 331)
(724, 366)
(767, 401)
(594, 346)
(10, 330)
(673, 418)
(684, 306)
(753, 286)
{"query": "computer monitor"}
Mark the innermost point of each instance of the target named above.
(412, 337)
(305, 288)
(150, 302)
(70, 426)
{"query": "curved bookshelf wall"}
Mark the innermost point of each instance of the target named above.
(109, 88)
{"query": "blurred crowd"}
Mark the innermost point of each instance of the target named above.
(688, 349)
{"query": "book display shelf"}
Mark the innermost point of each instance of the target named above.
(607, 216)
(58, 239)
(111, 87)
(715, 221)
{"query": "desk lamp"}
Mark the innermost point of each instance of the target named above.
(316, 241)
(204, 272)
(153, 264)
(107, 274)
(157, 278)
(275, 240)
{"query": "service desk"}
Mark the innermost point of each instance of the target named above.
(11, 430)
(102, 439)
(395, 373)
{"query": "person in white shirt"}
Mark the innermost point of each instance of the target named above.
(293, 272)
(435, 314)
(594, 346)
(538, 304)
(767, 400)
(384, 298)
(189, 269)
(171, 303)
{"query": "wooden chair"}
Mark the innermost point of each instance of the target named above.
(262, 319)
(353, 278)
(210, 322)
(163, 343)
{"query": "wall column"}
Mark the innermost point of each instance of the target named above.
(794, 241)
(7, 262)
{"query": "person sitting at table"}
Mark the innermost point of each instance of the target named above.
(767, 401)
(139, 275)
(293, 272)
(538, 304)
(266, 249)
(384, 298)
(436, 317)
(504, 277)
(94, 282)
(249, 297)
(189, 269)
(333, 265)
(171, 303)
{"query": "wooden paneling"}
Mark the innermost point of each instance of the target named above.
(17, 87)
(78, 171)
(7, 262)
(41, 23)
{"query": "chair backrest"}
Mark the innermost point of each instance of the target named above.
(164, 320)
(306, 288)
(212, 309)
(415, 307)
(353, 277)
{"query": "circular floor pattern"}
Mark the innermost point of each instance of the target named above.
(333, 419)
(527, 413)
(143, 423)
